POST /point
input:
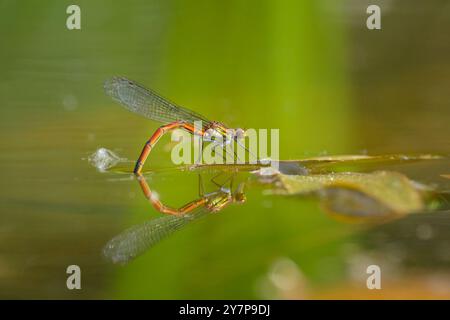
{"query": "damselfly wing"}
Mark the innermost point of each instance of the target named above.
(148, 103)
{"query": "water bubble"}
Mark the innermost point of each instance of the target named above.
(103, 159)
(267, 204)
(91, 137)
(424, 232)
(154, 196)
(285, 274)
(70, 102)
(266, 171)
(265, 161)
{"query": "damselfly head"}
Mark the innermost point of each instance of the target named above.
(240, 133)
(210, 133)
(239, 194)
(240, 197)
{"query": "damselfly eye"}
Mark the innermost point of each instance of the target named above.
(240, 198)
(240, 133)
(208, 133)
(230, 133)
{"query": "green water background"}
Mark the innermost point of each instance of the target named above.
(310, 68)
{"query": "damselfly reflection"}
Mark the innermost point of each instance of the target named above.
(136, 240)
(365, 197)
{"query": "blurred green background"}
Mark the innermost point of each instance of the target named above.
(310, 68)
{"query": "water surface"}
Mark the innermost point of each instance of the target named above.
(310, 69)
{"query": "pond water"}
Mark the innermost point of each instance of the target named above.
(311, 69)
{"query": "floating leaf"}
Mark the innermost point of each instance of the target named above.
(370, 195)
(357, 162)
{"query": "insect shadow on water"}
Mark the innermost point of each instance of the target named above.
(138, 239)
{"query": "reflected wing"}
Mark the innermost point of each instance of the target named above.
(148, 103)
(136, 240)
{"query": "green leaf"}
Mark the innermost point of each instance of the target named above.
(369, 195)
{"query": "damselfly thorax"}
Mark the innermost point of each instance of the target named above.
(149, 104)
(219, 133)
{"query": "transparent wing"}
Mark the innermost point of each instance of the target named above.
(136, 240)
(148, 103)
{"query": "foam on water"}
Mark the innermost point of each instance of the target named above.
(103, 159)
